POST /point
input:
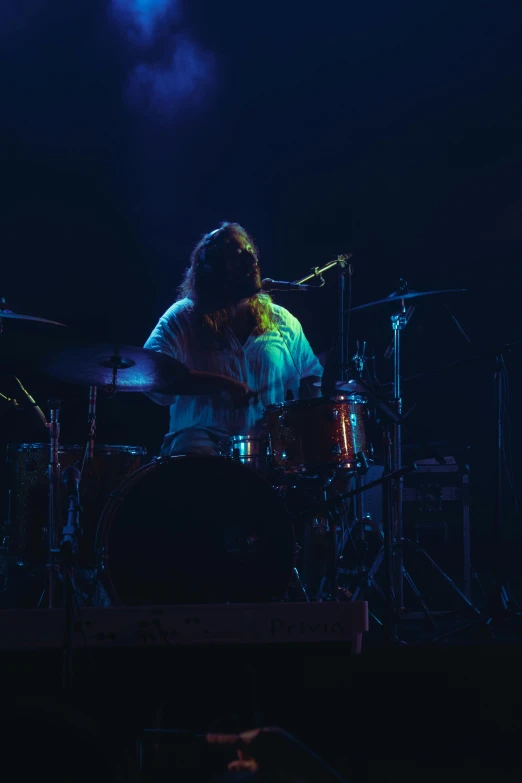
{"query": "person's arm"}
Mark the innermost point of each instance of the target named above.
(169, 338)
(200, 382)
(310, 366)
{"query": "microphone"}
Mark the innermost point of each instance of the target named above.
(32, 404)
(283, 285)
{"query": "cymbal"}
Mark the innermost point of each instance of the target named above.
(20, 317)
(397, 296)
(122, 368)
(350, 387)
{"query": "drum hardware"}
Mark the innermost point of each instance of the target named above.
(390, 493)
(359, 359)
(386, 554)
(399, 321)
(361, 518)
(250, 450)
(53, 515)
(68, 550)
(91, 420)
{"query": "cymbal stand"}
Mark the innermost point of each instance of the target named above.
(88, 453)
(393, 544)
(54, 495)
(68, 551)
(399, 322)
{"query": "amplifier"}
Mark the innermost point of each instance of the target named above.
(436, 516)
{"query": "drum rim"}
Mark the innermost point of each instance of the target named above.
(246, 438)
(65, 447)
(350, 399)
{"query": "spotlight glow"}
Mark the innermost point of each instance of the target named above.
(183, 80)
(173, 70)
(143, 17)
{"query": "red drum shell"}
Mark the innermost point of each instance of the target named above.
(315, 434)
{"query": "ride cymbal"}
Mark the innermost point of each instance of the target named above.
(397, 296)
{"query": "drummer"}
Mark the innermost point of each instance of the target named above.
(224, 325)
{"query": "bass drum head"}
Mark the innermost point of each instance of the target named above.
(195, 529)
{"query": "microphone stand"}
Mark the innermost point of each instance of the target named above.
(342, 316)
(318, 271)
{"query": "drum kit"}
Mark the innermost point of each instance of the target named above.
(268, 519)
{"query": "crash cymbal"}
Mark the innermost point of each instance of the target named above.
(122, 368)
(9, 314)
(397, 296)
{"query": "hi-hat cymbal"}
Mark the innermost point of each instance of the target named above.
(397, 296)
(122, 368)
(349, 387)
(20, 317)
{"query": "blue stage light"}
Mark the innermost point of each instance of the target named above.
(172, 69)
(142, 17)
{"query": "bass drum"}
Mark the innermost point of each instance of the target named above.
(194, 529)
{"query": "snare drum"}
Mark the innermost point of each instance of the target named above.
(29, 492)
(317, 434)
(250, 450)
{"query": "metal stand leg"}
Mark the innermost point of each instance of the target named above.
(398, 323)
(421, 600)
(299, 582)
(443, 574)
(54, 490)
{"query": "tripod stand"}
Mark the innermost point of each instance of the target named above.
(394, 546)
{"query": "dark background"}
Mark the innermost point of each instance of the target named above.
(389, 131)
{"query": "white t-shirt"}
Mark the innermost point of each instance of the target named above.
(272, 363)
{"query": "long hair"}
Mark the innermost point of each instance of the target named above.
(205, 258)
